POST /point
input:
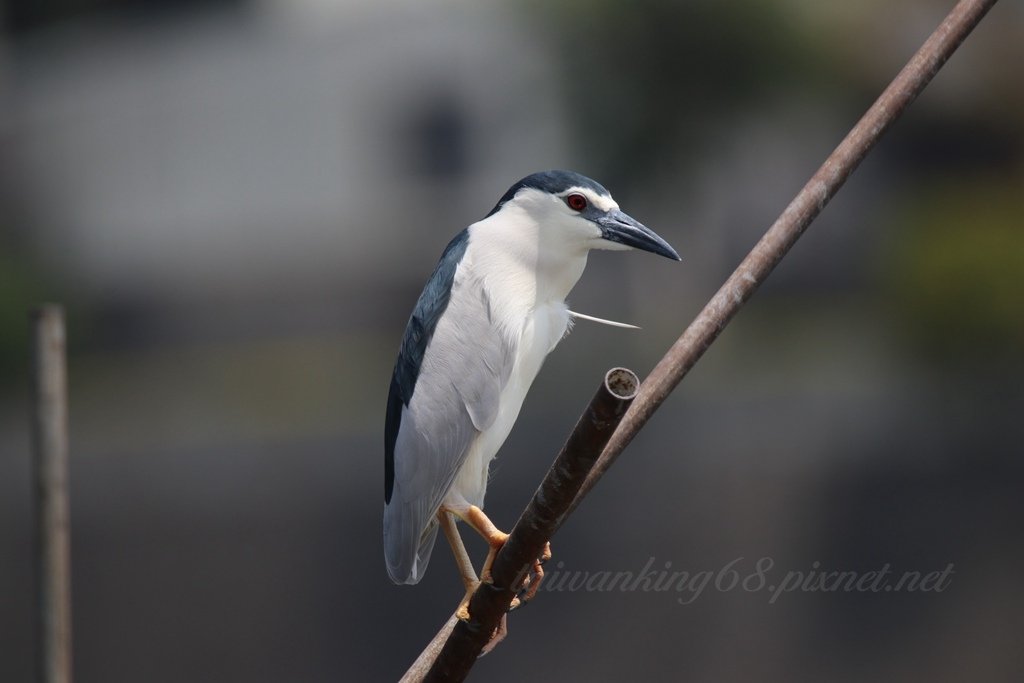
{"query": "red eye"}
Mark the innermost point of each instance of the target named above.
(576, 201)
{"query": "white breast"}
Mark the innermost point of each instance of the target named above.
(541, 334)
(528, 303)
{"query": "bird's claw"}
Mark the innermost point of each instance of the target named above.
(462, 611)
(499, 635)
(531, 582)
(527, 591)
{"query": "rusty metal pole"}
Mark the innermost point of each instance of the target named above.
(740, 286)
(538, 523)
(50, 474)
(788, 228)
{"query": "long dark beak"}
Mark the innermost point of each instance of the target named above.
(617, 226)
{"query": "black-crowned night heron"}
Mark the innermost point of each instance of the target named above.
(490, 313)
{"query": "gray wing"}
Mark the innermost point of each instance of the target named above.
(465, 366)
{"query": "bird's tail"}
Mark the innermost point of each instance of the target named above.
(407, 553)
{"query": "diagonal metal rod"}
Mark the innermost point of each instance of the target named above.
(456, 647)
(50, 474)
(804, 208)
(740, 286)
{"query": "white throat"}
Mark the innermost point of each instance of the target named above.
(525, 265)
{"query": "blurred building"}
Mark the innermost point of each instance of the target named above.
(238, 201)
(267, 147)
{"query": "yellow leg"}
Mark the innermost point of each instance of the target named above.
(495, 538)
(466, 571)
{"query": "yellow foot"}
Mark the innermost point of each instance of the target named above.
(462, 612)
(545, 554)
(531, 584)
(499, 635)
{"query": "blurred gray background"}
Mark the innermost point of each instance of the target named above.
(238, 201)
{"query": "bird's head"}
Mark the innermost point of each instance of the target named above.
(574, 209)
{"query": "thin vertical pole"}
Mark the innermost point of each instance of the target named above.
(50, 474)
